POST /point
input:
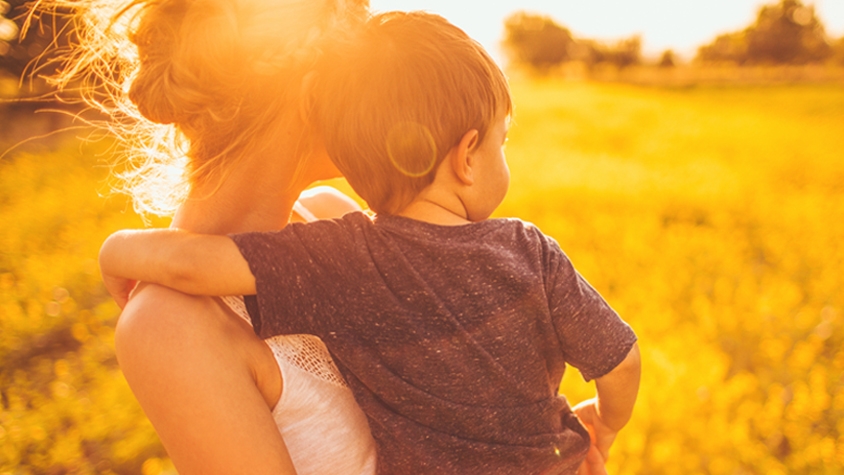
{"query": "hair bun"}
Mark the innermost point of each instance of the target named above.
(188, 84)
(152, 94)
(191, 60)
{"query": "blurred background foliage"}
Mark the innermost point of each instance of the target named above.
(787, 32)
(709, 215)
(64, 406)
(538, 42)
(710, 219)
(30, 45)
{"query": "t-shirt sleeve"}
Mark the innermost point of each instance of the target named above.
(593, 338)
(295, 270)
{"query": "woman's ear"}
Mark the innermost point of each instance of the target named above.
(462, 159)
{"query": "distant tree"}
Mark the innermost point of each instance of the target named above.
(536, 41)
(667, 60)
(622, 54)
(588, 51)
(784, 33)
(627, 52)
(730, 47)
(838, 52)
(787, 33)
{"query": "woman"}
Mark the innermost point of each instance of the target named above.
(211, 99)
(212, 103)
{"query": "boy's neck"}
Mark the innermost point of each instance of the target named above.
(433, 211)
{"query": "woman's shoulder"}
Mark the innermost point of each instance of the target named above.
(163, 309)
(153, 297)
(163, 333)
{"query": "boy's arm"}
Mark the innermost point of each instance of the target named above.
(617, 390)
(605, 415)
(197, 264)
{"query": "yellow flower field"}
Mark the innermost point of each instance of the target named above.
(711, 218)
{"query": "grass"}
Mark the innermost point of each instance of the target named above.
(710, 217)
(707, 217)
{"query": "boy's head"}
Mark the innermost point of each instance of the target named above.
(395, 100)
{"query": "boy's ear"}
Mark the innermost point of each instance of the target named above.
(462, 158)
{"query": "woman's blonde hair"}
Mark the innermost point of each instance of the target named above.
(188, 85)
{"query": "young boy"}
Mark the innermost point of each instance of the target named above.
(453, 330)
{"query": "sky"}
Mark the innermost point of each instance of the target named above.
(681, 25)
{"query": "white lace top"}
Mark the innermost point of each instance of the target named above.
(324, 429)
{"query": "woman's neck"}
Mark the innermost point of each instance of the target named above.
(256, 195)
(259, 189)
(217, 215)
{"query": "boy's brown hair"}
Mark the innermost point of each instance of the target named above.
(393, 102)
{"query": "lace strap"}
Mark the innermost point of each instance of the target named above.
(237, 305)
(308, 353)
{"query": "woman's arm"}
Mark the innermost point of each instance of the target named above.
(205, 381)
(197, 264)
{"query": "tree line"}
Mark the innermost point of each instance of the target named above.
(541, 43)
(787, 32)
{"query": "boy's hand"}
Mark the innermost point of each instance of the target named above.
(606, 414)
(601, 435)
(119, 288)
(594, 463)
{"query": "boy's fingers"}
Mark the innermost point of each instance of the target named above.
(124, 297)
(604, 444)
(120, 300)
(584, 468)
(601, 435)
(597, 462)
(119, 289)
(594, 455)
(593, 464)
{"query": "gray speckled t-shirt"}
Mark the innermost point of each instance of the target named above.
(453, 339)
